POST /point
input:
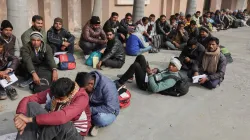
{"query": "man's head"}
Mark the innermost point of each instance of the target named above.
(192, 24)
(163, 18)
(204, 16)
(188, 17)
(208, 14)
(128, 17)
(37, 22)
(2, 43)
(177, 15)
(181, 26)
(58, 22)
(114, 16)
(182, 16)
(197, 14)
(152, 17)
(95, 22)
(62, 88)
(204, 32)
(145, 21)
(36, 39)
(110, 34)
(192, 43)
(85, 80)
(213, 44)
(172, 19)
(174, 65)
(6, 28)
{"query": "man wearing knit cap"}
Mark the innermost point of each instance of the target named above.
(93, 38)
(37, 25)
(204, 36)
(38, 62)
(153, 80)
(8, 37)
(59, 38)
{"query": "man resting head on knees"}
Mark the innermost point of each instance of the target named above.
(104, 102)
(66, 114)
(213, 65)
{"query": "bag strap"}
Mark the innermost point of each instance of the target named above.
(176, 78)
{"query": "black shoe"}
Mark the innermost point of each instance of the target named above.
(11, 92)
(3, 95)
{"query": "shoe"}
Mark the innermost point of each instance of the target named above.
(85, 57)
(3, 95)
(26, 83)
(118, 85)
(11, 92)
(94, 131)
(130, 80)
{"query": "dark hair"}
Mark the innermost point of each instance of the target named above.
(172, 17)
(109, 30)
(217, 41)
(145, 19)
(128, 15)
(36, 17)
(198, 12)
(83, 78)
(152, 15)
(62, 87)
(162, 16)
(192, 22)
(204, 15)
(192, 41)
(176, 14)
(181, 23)
(2, 42)
(188, 16)
(114, 14)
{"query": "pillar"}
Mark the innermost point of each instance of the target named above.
(241, 4)
(215, 5)
(45, 12)
(3, 7)
(86, 7)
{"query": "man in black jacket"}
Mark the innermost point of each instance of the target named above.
(114, 55)
(192, 30)
(126, 26)
(191, 57)
(60, 39)
(162, 26)
(204, 36)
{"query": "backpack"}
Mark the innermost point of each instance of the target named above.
(44, 85)
(235, 24)
(226, 53)
(180, 88)
(157, 42)
(124, 97)
(89, 60)
(67, 61)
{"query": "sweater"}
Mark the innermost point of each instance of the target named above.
(133, 45)
(10, 45)
(77, 111)
(26, 35)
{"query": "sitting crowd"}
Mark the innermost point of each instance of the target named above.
(75, 108)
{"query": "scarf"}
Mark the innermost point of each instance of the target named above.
(210, 61)
(57, 104)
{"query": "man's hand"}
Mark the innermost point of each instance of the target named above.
(167, 34)
(66, 44)
(177, 45)
(63, 48)
(155, 70)
(202, 80)
(7, 71)
(36, 79)
(54, 75)
(149, 71)
(21, 121)
(122, 36)
(98, 66)
(187, 60)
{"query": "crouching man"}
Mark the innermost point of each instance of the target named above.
(104, 102)
(66, 115)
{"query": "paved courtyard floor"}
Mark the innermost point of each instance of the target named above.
(219, 114)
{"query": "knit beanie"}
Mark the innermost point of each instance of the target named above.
(6, 24)
(58, 19)
(204, 29)
(95, 20)
(176, 62)
(36, 35)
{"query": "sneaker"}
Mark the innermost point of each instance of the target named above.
(26, 83)
(118, 85)
(94, 131)
(11, 92)
(130, 80)
(3, 95)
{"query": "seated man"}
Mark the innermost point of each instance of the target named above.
(141, 70)
(126, 26)
(162, 26)
(66, 115)
(93, 37)
(204, 36)
(177, 39)
(143, 26)
(136, 43)
(196, 18)
(151, 25)
(37, 25)
(191, 57)
(192, 30)
(38, 62)
(213, 65)
(60, 39)
(8, 64)
(103, 101)
(114, 54)
(188, 20)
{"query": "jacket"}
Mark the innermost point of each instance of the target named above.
(26, 35)
(5, 59)
(221, 69)
(175, 32)
(133, 45)
(55, 38)
(31, 60)
(77, 111)
(10, 45)
(162, 28)
(104, 98)
(158, 86)
(109, 24)
(195, 55)
(124, 27)
(114, 50)
(204, 41)
(94, 36)
(192, 32)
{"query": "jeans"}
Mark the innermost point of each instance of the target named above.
(69, 49)
(142, 50)
(33, 131)
(113, 63)
(139, 69)
(89, 47)
(211, 84)
(103, 119)
(171, 46)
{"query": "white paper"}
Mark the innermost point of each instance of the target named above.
(146, 79)
(4, 83)
(59, 53)
(196, 78)
(124, 95)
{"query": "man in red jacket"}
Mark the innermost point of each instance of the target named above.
(66, 115)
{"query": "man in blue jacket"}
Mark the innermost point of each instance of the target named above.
(103, 98)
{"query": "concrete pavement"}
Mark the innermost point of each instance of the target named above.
(219, 114)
